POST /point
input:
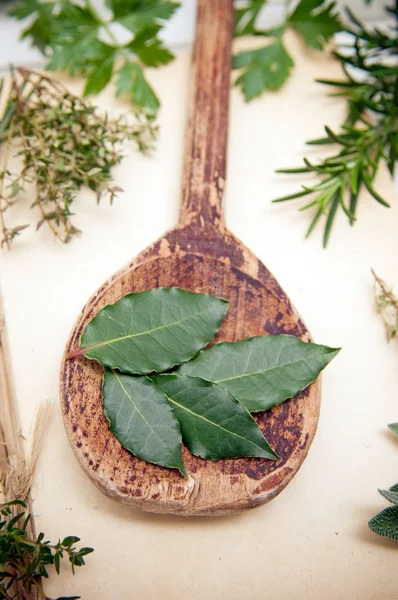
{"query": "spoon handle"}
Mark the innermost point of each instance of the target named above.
(207, 131)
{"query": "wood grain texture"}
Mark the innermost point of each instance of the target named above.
(199, 255)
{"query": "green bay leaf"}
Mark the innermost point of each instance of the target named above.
(214, 425)
(261, 372)
(142, 420)
(391, 495)
(152, 330)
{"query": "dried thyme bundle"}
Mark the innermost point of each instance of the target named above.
(64, 143)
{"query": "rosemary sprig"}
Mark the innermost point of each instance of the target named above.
(64, 143)
(369, 135)
(25, 560)
(387, 306)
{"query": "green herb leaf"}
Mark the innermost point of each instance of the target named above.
(152, 330)
(69, 35)
(390, 495)
(70, 540)
(101, 75)
(24, 558)
(131, 81)
(153, 53)
(261, 372)
(245, 17)
(142, 419)
(137, 15)
(386, 523)
(316, 20)
(264, 68)
(393, 427)
(213, 423)
(364, 143)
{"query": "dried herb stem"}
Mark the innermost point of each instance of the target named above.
(64, 144)
(387, 306)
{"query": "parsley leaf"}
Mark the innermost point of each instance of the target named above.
(131, 81)
(269, 67)
(264, 68)
(246, 16)
(138, 15)
(315, 21)
(101, 75)
(71, 37)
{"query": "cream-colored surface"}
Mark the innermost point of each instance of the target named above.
(312, 541)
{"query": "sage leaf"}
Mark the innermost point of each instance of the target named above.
(213, 423)
(263, 371)
(142, 420)
(390, 495)
(386, 523)
(393, 427)
(152, 330)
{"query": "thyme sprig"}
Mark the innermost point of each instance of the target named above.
(24, 560)
(64, 143)
(387, 306)
(369, 135)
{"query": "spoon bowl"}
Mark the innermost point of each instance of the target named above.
(199, 255)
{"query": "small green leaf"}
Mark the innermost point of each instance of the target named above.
(152, 330)
(84, 551)
(390, 495)
(57, 562)
(25, 9)
(316, 20)
(70, 540)
(246, 16)
(213, 423)
(266, 68)
(261, 372)
(386, 523)
(142, 15)
(153, 53)
(100, 76)
(131, 81)
(142, 420)
(393, 427)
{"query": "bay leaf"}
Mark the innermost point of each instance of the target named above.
(213, 423)
(152, 330)
(261, 372)
(142, 420)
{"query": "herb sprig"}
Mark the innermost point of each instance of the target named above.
(76, 38)
(64, 143)
(369, 135)
(269, 67)
(387, 306)
(24, 561)
(385, 523)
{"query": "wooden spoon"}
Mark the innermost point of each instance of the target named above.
(200, 255)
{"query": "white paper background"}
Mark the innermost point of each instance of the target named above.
(312, 541)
